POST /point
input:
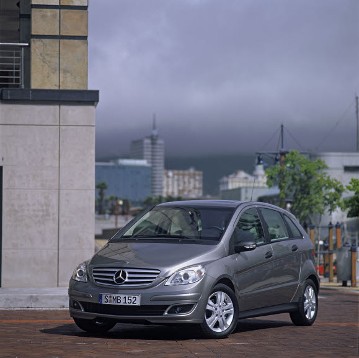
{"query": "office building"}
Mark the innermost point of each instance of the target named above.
(187, 184)
(342, 166)
(125, 179)
(152, 149)
(47, 142)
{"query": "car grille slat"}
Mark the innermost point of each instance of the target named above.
(134, 276)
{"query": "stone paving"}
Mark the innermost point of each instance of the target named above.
(52, 333)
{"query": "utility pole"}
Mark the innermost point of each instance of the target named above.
(282, 154)
(357, 118)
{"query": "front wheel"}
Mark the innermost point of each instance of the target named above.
(97, 326)
(308, 306)
(221, 314)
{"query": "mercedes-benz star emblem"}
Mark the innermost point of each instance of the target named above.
(120, 277)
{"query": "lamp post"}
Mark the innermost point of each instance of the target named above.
(288, 204)
(118, 205)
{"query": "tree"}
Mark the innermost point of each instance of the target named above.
(306, 184)
(352, 203)
(102, 186)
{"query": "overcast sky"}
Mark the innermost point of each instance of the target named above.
(222, 75)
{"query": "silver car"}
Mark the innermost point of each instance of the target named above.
(201, 262)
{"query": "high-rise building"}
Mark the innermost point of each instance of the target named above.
(152, 149)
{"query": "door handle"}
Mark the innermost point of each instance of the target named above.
(294, 248)
(268, 254)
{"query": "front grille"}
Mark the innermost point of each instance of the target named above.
(133, 276)
(152, 310)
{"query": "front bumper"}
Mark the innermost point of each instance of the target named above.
(159, 304)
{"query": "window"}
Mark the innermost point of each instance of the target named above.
(249, 228)
(276, 226)
(181, 222)
(293, 228)
(351, 168)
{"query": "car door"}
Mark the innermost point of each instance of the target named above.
(252, 269)
(286, 258)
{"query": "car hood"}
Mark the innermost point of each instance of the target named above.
(161, 256)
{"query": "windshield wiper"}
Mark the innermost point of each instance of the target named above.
(162, 236)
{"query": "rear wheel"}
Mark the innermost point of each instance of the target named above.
(96, 325)
(308, 306)
(221, 314)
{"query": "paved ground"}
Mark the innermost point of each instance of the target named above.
(51, 333)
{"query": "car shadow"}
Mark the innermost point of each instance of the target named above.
(255, 324)
(154, 332)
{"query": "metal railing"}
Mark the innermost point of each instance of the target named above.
(12, 65)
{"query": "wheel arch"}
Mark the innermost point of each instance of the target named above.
(227, 282)
(315, 280)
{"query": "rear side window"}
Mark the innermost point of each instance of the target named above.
(276, 226)
(293, 228)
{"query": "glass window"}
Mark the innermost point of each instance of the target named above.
(180, 222)
(276, 226)
(249, 228)
(293, 228)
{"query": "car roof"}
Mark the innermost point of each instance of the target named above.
(231, 204)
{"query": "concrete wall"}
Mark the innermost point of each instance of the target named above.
(48, 157)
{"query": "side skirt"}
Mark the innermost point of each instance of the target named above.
(266, 311)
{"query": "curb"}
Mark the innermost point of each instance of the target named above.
(38, 298)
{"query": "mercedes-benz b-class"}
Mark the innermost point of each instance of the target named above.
(201, 262)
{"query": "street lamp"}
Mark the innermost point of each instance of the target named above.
(118, 205)
(288, 204)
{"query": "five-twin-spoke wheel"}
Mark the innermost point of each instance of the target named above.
(221, 312)
(308, 305)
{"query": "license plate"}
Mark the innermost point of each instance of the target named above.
(122, 300)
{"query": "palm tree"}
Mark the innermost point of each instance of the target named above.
(102, 186)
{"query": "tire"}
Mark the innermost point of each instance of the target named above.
(221, 313)
(308, 306)
(97, 326)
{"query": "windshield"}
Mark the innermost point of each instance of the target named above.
(182, 223)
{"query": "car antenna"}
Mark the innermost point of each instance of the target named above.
(254, 180)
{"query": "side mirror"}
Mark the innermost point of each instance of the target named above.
(245, 246)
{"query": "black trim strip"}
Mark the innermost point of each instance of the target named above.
(59, 7)
(58, 37)
(16, 95)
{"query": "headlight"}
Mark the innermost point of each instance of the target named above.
(80, 273)
(186, 276)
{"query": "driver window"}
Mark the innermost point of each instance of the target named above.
(249, 228)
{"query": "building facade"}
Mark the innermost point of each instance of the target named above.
(243, 186)
(342, 166)
(126, 179)
(152, 149)
(186, 184)
(47, 142)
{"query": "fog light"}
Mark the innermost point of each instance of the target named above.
(76, 305)
(180, 309)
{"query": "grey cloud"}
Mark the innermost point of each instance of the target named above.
(223, 75)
